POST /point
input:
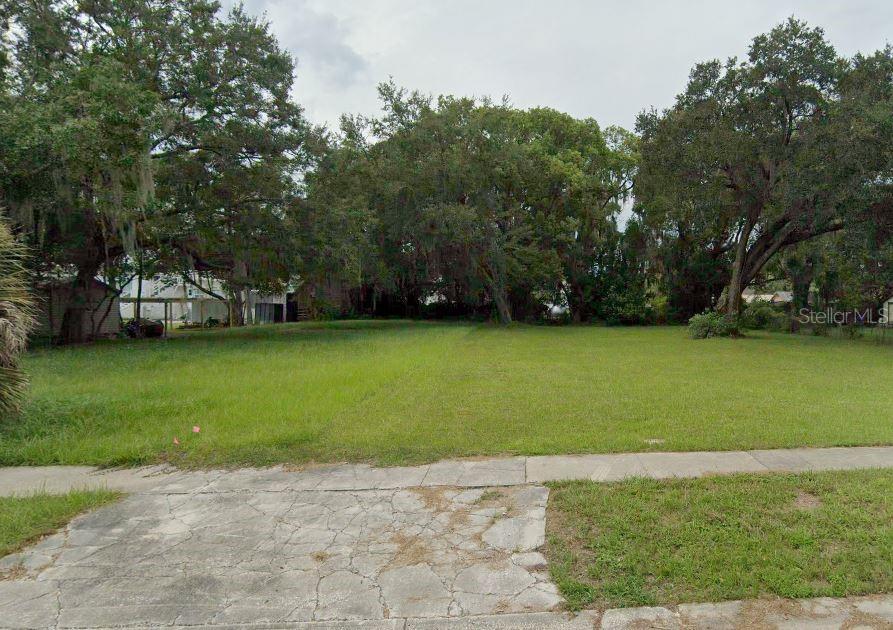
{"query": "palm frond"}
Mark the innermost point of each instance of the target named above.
(17, 318)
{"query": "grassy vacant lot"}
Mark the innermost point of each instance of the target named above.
(25, 519)
(396, 392)
(645, 542)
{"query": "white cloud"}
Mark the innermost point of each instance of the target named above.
(608, 60)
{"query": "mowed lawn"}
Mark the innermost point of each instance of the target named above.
(400, 392)
(644, 542)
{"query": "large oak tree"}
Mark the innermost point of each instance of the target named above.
(766, 153)
(135, 124)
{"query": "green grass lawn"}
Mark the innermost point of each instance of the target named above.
(645, 542)
(398, 392)
(25, 519)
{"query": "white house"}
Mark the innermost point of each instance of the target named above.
(887, 312)
(778, 297)
(170, 299)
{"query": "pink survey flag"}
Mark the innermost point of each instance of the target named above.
(196, 429)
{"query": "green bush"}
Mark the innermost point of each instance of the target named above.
(659, 310)
(764, 316)
(712, 324)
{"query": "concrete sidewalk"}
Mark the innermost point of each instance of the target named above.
(468, 473)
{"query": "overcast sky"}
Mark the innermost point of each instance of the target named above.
(608, 60)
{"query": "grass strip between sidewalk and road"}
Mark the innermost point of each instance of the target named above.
(646, 542)
(25, 519)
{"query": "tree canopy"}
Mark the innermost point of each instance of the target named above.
(165, 136)
(478, 204)
(161, 126)
(766, 153)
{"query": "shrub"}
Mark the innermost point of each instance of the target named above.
(712, 324)
(659, 309)
(764, 316)
(144, 328)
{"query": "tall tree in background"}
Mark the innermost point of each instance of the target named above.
(229, 174)
(576, 179)
(111, 101)
(479, 203)
(75, 170)
(763, 153)
(439, 181)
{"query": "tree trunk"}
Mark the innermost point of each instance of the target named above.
(801, 273)
(138, 306)
(580, 311)
(238, 283)
(237, 316)
(492, 272)
(730, 301)
(249, 307)
(500, 299)
(111, 296)
(576, 302)
(75, 321)
(503, 310)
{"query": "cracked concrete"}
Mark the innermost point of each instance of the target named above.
(874, 612)
(447, 545)
(195, 551)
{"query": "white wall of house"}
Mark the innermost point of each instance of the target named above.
(196, 305)
(887, 311)
(268, 309)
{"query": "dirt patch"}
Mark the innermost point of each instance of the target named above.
(495, 498)
(414, 549)
(411, 550)
(858, 619)
(489, 496)
(806, 501)
(320, 556)
(502, 606)
(434, 498)
(439, 500)
(766, 613)
(756, 613)
(16, 572)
